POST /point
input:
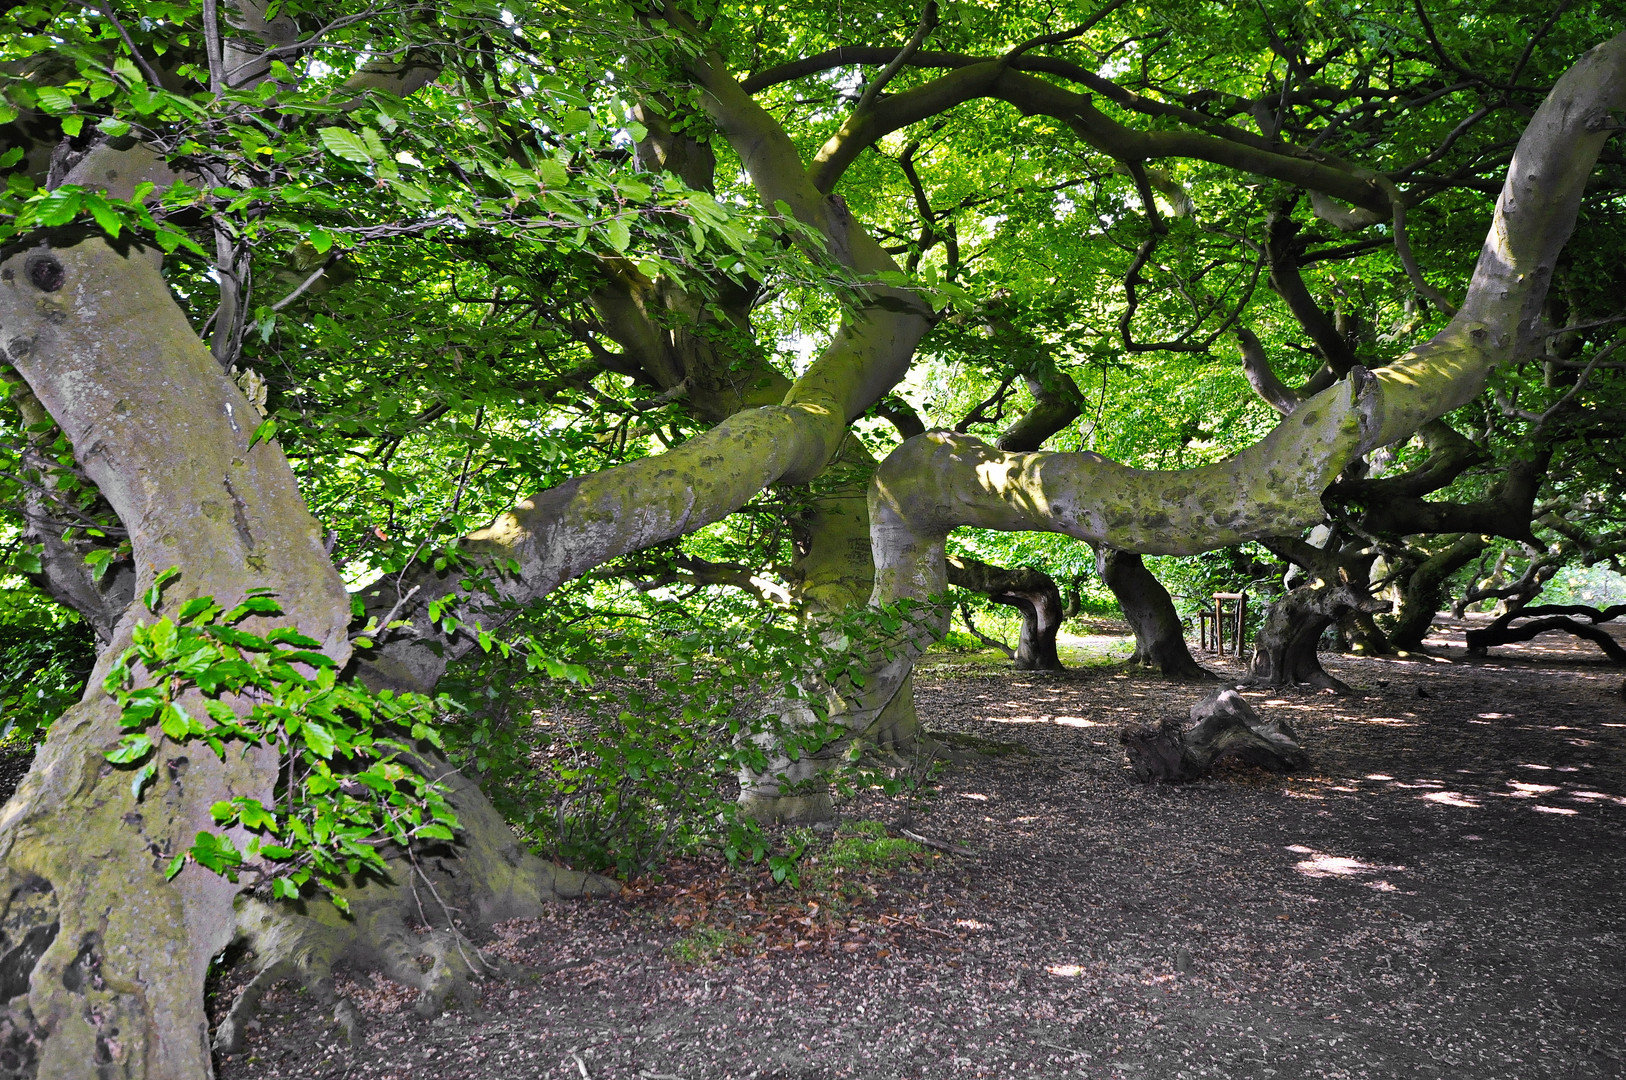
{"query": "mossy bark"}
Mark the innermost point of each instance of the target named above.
(119, 954)
(106, 958)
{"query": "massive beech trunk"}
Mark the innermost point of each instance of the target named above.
(1286, 652)
(1160, 636)
(105, 959)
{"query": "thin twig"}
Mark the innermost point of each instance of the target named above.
(938, 845)
(1063, 35)
(1397, 204)
(928, 22)
(1580, 384)
(135, 54)
(303, 285)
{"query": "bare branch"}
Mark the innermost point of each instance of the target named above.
(928, 22)
(1262, 377)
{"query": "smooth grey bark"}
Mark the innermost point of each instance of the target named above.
(1160, 636)
(114, 958)
(107, 957)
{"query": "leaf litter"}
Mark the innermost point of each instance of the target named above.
(1442, 893)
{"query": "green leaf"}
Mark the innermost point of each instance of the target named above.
(125, 69)
(104, 214)
(318, 738)
(345, 144)
(266, 431)
(158, 638)
(53, 100)
(254, 815)
(155, 591)
(59, 206)
(373, 144)
(175, 722)
(192, 608)
(551, 173)
(141, 779)
(287, 635)
(620, 234)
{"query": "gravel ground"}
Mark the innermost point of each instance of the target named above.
(1440, 895)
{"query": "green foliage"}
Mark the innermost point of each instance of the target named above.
(641, 761)
(865, 845)
(46, 654)
(705, 944)
(350, 776)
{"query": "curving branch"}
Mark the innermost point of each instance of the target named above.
(1033, 96)
(928, 23)
(564, 532)
(1256, 368)
(937, 482)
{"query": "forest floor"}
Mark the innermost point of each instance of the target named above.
(1442, 893)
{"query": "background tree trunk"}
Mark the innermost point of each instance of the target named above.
(1160, 636)
(1424, 590)
(1286, 653)
(1033, 593)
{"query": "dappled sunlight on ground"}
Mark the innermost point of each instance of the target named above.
(1441, 893)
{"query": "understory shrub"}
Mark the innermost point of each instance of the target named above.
(633, 755)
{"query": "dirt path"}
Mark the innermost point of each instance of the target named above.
(1444, 895)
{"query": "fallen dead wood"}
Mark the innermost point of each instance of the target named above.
(1222, 726)
(1504, 631)
(926, 841)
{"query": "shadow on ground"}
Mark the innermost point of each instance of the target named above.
(1443, 894)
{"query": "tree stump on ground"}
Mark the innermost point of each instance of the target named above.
(1222, 727)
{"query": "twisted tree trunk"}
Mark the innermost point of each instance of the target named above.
(1424, 589)
(105, 958)
(1033, 593)
(1160, 636)
(939, 481)
(1286, 651)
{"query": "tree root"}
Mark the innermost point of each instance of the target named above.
(1222, 727)
(410, 929)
